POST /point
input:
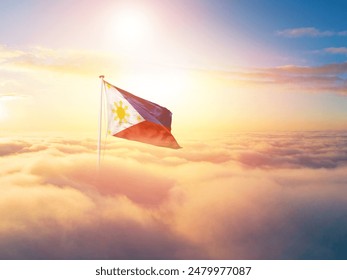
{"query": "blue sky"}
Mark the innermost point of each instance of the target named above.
(261, 22)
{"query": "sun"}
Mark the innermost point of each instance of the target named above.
(120, 112)
(131, 26)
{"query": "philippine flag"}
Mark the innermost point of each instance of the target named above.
(137, 119)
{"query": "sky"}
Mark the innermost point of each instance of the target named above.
(217, 65)
(258, 93)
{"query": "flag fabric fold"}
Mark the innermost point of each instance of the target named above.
(137, 119)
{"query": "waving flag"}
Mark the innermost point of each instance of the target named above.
(134, 118)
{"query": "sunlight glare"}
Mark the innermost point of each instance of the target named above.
(3, 113)
(131, 26)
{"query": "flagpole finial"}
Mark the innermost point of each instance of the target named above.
(101, 76)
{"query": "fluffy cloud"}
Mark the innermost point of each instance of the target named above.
(247, 196)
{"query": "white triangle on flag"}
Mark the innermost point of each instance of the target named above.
(121, 114)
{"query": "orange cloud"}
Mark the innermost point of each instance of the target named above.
(250, 196)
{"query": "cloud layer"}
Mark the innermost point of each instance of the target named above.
(327, 78)
(245, 196)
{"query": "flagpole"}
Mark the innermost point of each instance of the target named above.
(100, 120)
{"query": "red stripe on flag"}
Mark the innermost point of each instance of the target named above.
(150, 133)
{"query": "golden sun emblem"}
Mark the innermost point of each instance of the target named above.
(120, 111)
